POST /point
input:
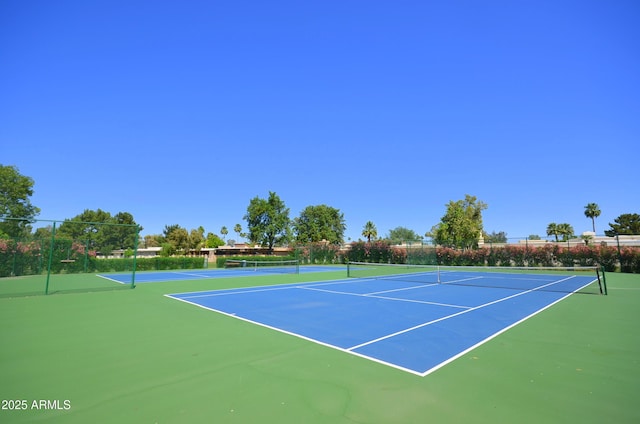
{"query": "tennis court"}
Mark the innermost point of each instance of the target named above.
(140, 356)
(408, 318)
(203, 274)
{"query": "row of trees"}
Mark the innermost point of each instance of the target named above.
(98, 231)
(178, 240)
(564, 230)
(268, 224)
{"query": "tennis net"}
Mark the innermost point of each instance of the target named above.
(278, 267)
(555, 279)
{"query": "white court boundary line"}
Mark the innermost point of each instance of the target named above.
(241, 290)
(351, 350)
(111, 279)
(375, 296)
(475, 308)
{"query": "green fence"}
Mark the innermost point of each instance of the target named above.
(58, 256)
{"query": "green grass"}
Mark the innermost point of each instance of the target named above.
(135, 356)
(34, 285)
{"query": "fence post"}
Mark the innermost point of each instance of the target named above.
(86, 254)
(135, 257)
(52, 245)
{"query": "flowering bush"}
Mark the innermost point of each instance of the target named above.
(446, 255)
(543, 255)
(630, 260)
(608, 257)
(398, 255)
(501, 257)
(19, 257)
(585, 255)
(318, 253)
(379, 251)
(548, 255)
(516, 254)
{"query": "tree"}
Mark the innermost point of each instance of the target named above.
(224, 232)
(15, 191)
(586, 238)
(400, 235)
(534, 237)
(592, 211)
(101, 231)
(213, 241)
(494, 237)
(238, 230)
(84, 226)
(461, 226)
(625, 224)
(552, 230)
(121, 235)
(153, 240)
(268, 221)
(369, 231)
(167, 250)
(318, 223)
(566, 231)
(177, 237)
(43, 233)
(196, 238)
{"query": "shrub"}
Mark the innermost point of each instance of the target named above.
(585, 255)
(547, 255)
(515, 254)
(630, 260)
(608, 258)
(446, 256)
(565, 257)
(317, 253)
(379, 251)
(542, 255)
(222, 260)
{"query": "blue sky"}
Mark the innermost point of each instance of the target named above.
(182, 112)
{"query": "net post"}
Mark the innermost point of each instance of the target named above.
(604, 281)
(297, 266)
(348, 269)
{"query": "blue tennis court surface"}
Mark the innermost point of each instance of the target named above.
(411, 326)
(199, 274)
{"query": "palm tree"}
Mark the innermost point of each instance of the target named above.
(566, 231)
(552, 230)
(238, 229)
(592, 211)
(224, 232)
(369, 231)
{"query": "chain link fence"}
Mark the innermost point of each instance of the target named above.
(61, 256)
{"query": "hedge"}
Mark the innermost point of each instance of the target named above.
(220, 261)
(548, 255)
(18, 258)
(318, 253)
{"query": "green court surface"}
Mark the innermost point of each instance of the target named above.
(135, 356)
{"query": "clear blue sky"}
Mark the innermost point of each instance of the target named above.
(180, 112)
